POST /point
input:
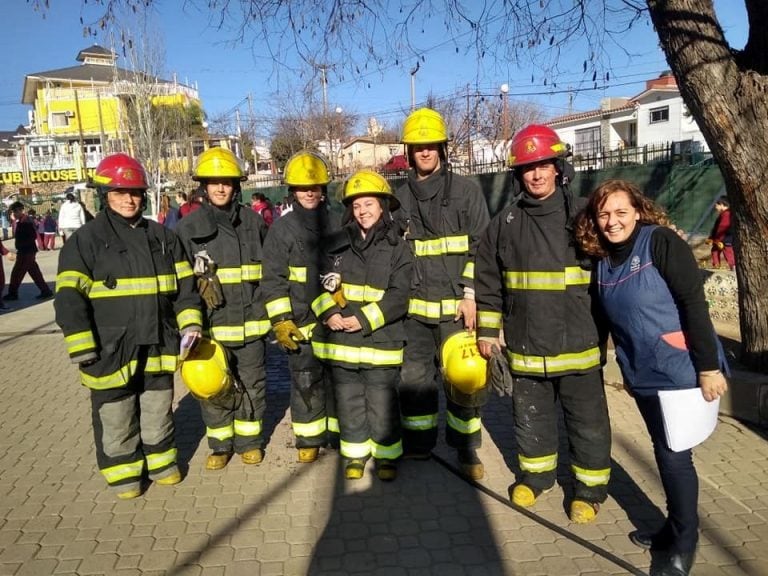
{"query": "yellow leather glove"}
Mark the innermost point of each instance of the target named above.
(210, 290)
(288, 334)
(338, 297)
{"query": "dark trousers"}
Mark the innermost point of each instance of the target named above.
(133, 427)
(234, 421)
(680, 481)
(313, 414)
(369, 415)
(420, 385)
(26, 263)
(585, 412)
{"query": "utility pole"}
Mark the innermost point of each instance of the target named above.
(413, 85)
(84, 169)
(469, 133)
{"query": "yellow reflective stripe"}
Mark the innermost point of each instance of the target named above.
(157, 461)
(189, 317)
(322, 304)
(462, 426)
(550, 364)
(162, 363)
(433, 310)
(143, 286)
(441, 246)
(309, 429)
(297, 274)
(166, 283)
(469, 270)
(361, 293)
(540, 464)
(424, 422)
(354, 355)
(374, 315)
(388, 452)
(333, 424)
(114, 474)
(577, 276)
(239, 333)
(183, 269)
(278, 306)
(534, 280)
(486, 319)
(247, 428)
(223, 433)
(75, 280)
(80, 341)
(117, 379)
(354, 449)
(229, 275)
(592, 477)
(251, 272)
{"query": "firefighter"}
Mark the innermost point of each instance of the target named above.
(442, 216)
(224, 241)
(291, 282)
(531, 281)
(124, 291)
(368, 276)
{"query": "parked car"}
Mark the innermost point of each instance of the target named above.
(397, 164)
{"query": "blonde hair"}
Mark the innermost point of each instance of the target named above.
(586, 230)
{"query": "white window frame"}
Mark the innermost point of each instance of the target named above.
(662, 111)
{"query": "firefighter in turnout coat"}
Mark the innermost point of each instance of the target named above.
(224, 241)
(361, 337)
(532, 282)
(124, 291)
(291, 282)
(442, 216)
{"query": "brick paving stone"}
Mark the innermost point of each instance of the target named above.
(98, 564)
(216, 556)
(68, 567)
(246, 568)
(37, 567)
(78, 549)
(9, 569)
(161, 560)
(18, 553)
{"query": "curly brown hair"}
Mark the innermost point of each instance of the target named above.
(586, 230)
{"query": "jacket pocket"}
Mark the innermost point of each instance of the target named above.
(115, 365)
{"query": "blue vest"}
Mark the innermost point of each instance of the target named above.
(651, 348)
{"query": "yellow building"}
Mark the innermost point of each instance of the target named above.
(79, 114)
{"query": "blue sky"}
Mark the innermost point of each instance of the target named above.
(227, 73)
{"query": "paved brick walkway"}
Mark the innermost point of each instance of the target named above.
(56, 516)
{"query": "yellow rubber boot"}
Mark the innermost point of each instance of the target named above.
(386, 470)
(170, 480)
(583, 512)
(129, 494)
(308, 455)
(522, 495)
(355, 469)
(255, 456)
(217, 460)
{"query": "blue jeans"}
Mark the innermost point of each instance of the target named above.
(680, 532)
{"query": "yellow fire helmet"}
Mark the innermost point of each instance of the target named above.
(218, 163)
(368, 183)
(424, 126)
(306, 168)
(205, 371)
(464, 370)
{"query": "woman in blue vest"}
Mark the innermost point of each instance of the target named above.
(651, 292)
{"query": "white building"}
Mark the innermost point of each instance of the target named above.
(643, 128)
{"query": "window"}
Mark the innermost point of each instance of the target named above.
(59, 120)
(587, 142)
(660, 114)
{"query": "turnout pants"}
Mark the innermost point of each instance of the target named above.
(369, 416)
(234, 421)
(585, 412)
(133, 425)
(420, 385)
(681, 484)
(312, 404)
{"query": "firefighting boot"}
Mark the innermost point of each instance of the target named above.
(170, 480)
(583, 512)
(470, 464)
(255, 456)
(217, 460)
(354, 469)
(386, 470)
(524, 495)
(307, 455)
(129, 494)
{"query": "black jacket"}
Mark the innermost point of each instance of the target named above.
(120, 287)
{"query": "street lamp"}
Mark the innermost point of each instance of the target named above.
(413, 85)
(505, 112)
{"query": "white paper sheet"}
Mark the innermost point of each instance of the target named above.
(688, 418)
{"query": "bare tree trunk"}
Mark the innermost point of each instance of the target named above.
(725, 91)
